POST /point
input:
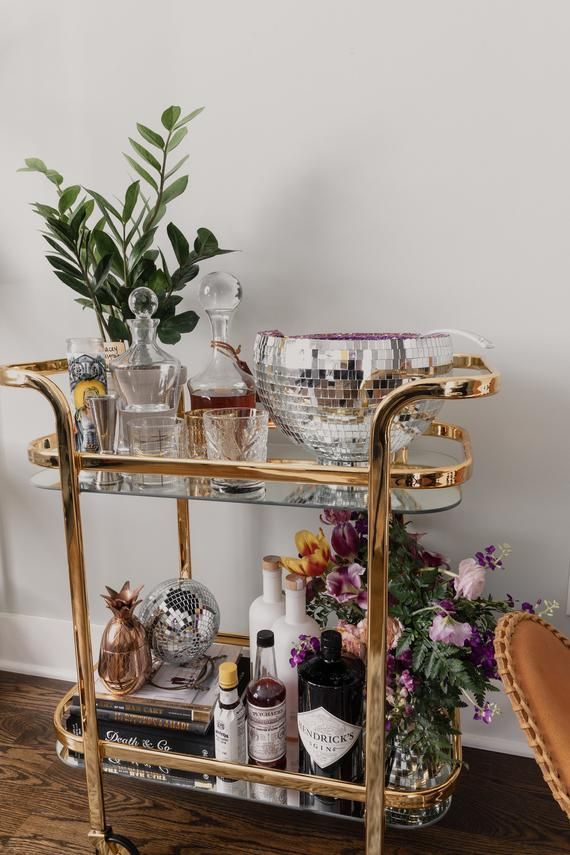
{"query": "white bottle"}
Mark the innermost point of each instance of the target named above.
(265, 610)
(229, 718)
(287, 629)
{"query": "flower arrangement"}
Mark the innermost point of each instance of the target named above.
(440, 628)
(104, 261)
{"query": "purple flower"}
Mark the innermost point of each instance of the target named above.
(485, 715)
(483, 653)
(527, 607)
(448, 605)
(407, 681)
(405, 658)
(345, 540)
(361, 526)
(332, 517)
(510, 601)
(471, 579)
(449, 631)
(345, 585)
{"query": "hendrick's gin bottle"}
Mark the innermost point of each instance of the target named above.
(330, 719)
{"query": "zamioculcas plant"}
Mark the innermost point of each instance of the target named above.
(105, 260)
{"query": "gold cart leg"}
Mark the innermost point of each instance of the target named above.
(69, 466)
(378, 547)
(183, 511)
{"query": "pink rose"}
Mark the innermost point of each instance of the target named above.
(471, 579)
(449, 631)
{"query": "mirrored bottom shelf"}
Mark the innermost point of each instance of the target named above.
(242, 790)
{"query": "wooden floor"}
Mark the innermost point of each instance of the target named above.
(502, 806)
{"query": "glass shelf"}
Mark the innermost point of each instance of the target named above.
(202, 783)
(274, 493)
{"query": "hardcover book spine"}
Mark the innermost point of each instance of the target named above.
(159, 740)
(155, 711)
(138, 720)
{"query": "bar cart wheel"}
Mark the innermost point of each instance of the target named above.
(118, 845)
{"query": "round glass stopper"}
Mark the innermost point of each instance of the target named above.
(219, 292)
(143, 302)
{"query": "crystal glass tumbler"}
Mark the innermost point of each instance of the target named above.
(87, 378)
(236, 434)
(165, 437)
(197, 447)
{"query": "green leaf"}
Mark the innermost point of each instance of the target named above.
(54, 177)
(131, 197)
(189, 117)
(176, 138)
(68, 197)
(150, 136)
(177, 167)
(145, 154)
(136, 223)
(87, 304)
(72, 282)
(183, 323)
(78, 218)
(106, 246)
(183, 275)
(45, 211)
(158, 283)
(34, 164)
(102, 271)
(175, 189)
(142, 172)
(170, 117)
(104, 204)
(141, 246)
(179, 243)
(62, 232)
(58, 248)
(167, 335)
(118, 329)
(206, 245)
(155, 220)
(62, 264)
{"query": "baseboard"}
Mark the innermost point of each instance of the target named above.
(44, 647)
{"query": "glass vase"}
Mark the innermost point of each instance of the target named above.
(407, 771)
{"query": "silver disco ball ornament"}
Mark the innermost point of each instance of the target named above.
(182, 619)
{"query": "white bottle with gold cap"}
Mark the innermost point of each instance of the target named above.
(287, 629)
(265, 610)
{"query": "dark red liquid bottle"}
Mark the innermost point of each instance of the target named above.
(266, 711)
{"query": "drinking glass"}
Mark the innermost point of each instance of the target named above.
(157, 437)
(238, 433)
(87, 378)
(197, 447)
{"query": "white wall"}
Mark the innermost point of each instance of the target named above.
(393, 165)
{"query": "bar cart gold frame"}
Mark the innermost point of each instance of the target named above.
(380, 476)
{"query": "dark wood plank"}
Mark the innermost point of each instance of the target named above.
(502, 805)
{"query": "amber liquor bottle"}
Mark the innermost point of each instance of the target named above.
(331, 719)
(266, 711)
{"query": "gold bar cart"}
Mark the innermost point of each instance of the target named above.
(58, 452)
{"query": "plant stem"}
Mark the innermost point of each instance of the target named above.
(162, 180)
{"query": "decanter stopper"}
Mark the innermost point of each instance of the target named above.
(143, 302)
(219, 292)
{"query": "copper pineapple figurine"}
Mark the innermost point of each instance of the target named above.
(124, 656)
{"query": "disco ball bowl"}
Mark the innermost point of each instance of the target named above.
(181, 618)
(322, 389)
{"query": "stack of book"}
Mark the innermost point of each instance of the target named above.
(172, 713)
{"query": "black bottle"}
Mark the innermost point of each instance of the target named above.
(331, 720)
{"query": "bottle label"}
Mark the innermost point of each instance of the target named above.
(229, 734)
(325, 737)
(266, 732)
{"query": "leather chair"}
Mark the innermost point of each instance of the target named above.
(533, 660)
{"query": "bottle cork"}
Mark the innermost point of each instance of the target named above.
(271, 562)
(228, 675)
(294, 582)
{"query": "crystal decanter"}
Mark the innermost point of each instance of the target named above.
(224, 382)
(145, 377)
